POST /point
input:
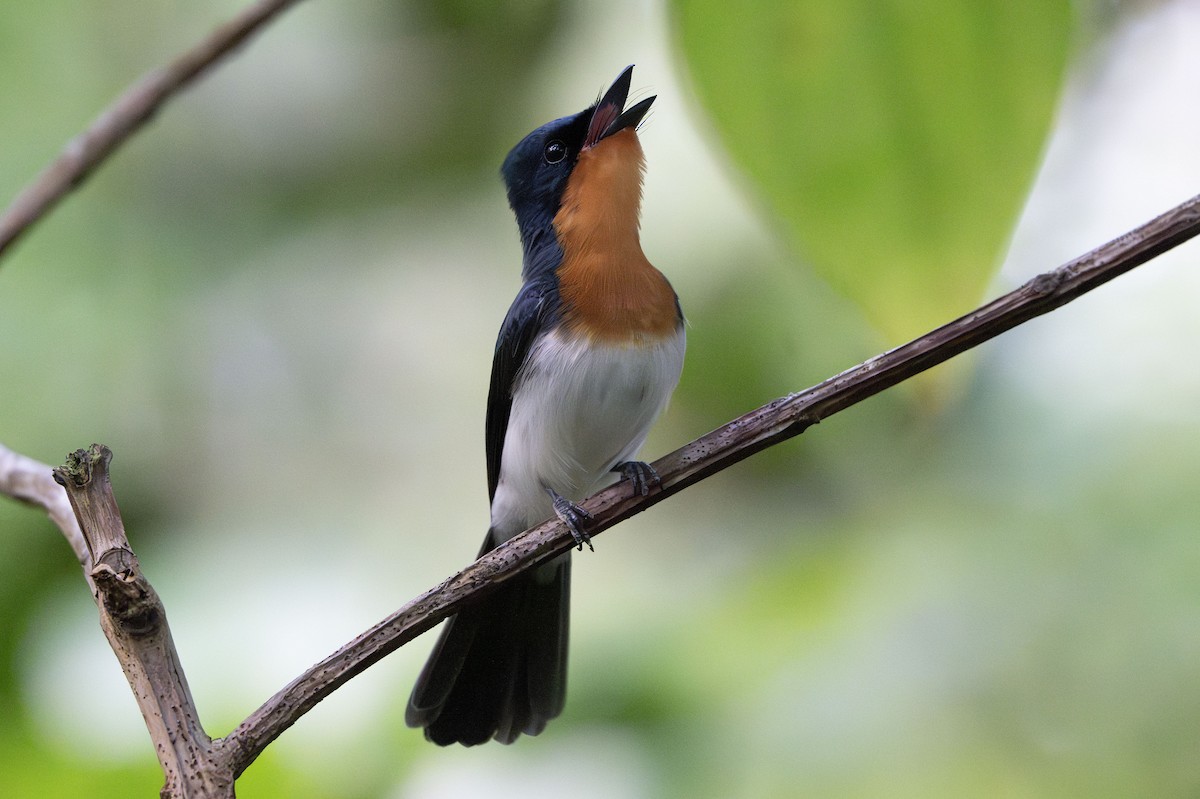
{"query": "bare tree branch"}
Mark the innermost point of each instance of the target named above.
(763, 427)
(117, 123)
(135, 622)
(132, 615)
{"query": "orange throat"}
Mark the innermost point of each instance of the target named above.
(610, 292)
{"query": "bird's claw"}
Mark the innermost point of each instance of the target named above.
(573, 517)
(641, 474)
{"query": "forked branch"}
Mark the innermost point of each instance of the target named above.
(132, 616)
(135, 622)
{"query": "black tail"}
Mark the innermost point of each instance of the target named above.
(499, 669)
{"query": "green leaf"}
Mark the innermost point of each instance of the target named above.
(895, 140)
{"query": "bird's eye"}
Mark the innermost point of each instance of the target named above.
(555, 152)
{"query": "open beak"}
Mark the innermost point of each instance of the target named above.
(609, 118)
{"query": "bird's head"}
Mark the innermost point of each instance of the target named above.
(585, 165)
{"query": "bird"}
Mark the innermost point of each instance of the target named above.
(587, 358)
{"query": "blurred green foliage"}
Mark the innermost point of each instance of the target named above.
(278, 303)
(894, 141)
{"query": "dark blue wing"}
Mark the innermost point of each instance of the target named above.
(534, 310)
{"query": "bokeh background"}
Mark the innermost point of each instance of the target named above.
(278, 303)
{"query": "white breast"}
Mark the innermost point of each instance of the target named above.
(579, 408)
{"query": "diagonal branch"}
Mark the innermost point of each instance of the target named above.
(117, 123)
(763, 427)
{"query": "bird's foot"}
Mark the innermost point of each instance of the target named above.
(641, 474)
(573, 517)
